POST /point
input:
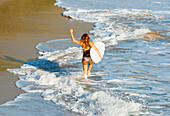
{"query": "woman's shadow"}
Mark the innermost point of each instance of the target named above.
(43, 64)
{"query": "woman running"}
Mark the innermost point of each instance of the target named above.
(86, 45)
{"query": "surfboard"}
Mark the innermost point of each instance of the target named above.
(94, 55)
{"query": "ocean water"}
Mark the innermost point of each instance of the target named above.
(132, 79)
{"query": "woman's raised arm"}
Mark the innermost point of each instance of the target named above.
(72, 37)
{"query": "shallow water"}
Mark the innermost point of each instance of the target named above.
(138, 71)
(132, 79)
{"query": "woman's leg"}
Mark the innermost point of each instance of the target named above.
(90, 66)
(84, 63)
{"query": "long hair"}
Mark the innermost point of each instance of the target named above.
(85, 39)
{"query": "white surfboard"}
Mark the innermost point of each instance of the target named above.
(94, 55)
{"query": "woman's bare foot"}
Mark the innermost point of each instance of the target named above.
(88, 74)
(85, 76)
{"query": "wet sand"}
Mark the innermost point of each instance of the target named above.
(24, 24)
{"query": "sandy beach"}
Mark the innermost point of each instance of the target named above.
(24, 24)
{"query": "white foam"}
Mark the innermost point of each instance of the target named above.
(84, 102)
(166, 64)
(139, 32)
(100, 103)
(127, 81)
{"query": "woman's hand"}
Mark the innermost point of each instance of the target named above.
(72, 37)
(71, 30)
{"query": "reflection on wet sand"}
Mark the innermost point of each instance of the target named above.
(151, 36)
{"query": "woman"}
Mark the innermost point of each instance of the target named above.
(86, 45)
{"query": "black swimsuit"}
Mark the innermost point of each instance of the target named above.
(86, 54)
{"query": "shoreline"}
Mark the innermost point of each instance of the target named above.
(24, 28)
